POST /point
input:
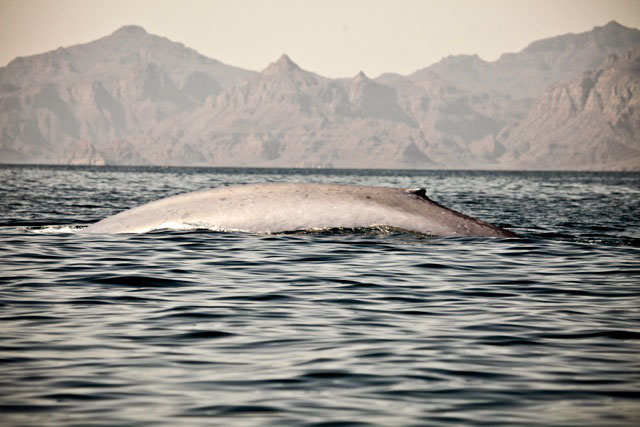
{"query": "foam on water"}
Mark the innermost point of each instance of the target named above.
(54, 229)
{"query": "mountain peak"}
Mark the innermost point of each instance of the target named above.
(613, 24)
(360, 78)
(614, 32)
(283, 65)
(285, 60)
(130, 30)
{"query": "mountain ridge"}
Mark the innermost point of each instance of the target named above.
(560, 56)
(135, 98)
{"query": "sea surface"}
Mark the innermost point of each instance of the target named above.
(336, 328)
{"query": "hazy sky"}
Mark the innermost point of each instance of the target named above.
(332, 38)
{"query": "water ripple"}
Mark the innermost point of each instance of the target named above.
(333, 328)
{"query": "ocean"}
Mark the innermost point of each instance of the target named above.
(336, 328)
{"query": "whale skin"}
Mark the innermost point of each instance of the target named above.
(287, 207)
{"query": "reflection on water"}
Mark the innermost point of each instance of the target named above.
(200, 327)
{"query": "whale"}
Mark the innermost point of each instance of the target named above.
(273, 208)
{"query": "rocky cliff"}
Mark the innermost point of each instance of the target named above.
(591, 123)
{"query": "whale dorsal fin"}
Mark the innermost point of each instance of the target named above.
(420, 192)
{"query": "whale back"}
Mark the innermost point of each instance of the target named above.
(283, 207)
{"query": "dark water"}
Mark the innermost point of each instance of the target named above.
(207, 328)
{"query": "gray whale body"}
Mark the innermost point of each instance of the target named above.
(282, 207)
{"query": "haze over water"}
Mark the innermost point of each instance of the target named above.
(336, 328)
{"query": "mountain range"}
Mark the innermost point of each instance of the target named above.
(132, 98)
